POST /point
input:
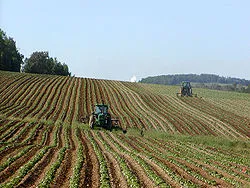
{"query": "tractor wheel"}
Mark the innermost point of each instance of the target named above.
(109, 124)
(91, 122)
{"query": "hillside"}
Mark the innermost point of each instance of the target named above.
(202, 78)
(44, 140)
(208, 81)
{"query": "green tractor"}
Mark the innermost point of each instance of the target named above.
(101, 118)
(186, 90)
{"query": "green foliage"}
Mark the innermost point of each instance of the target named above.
(10, 58)
(41, 63)
(50, 175)
(247, 90)
(75, 178)
(203, 78)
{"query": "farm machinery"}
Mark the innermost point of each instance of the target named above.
(186, 90)
(102, 118)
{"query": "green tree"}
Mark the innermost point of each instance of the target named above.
(248, 89)
(10, 58)
(41, 63)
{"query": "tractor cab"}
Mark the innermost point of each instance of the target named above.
(100, 117)
(186, 84)
(101, 108)
(185, 90)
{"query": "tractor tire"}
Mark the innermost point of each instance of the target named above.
(109, 124)
(91, 122)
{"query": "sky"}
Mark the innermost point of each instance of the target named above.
(132, 39)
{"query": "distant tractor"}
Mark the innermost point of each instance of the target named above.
(186, 90)
(102, 118)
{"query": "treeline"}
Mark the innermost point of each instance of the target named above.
(209, 81)
(202, 78)
(42, 63)
(39, 62)
(10, 58)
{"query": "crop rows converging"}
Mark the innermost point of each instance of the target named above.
(70, 99)
(45, 154)
(45, 140)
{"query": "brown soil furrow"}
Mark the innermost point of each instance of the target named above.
(23, 96)
(37, 136)
(125, 109)
(12, 169)
(45, 98)
(157, 121)
(205, 174)
(231, 118)
(96, 91)
(115, 112)
(14, 91)
(134, 144)
(202, 172)
(168, 110)
(234, 170)
(30, 102)
(11, 132)
(35, 176)
(49, 99)
(49, 136)
(8, 150)
(58, 107)
(223, 173)
(83, 101)
(66, 101)
(72, 101)
(160, 172)
(210, 121)
(39, 171)
(91, 93)
(150, 115)
(60, 137)
(137, 108)
(88, 100)
(116, 177)
(75, 103)
(90, 171)
(25, 133)
(66, 168)
(145, 181)
(177, 119)
(154, 105)
(10, 81)
(12, 153)
(15, 133)
(8, 125)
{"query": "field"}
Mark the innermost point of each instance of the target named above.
(171, 142)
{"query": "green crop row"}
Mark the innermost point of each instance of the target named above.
(50, 175)
(104, 179)
(10, 160)
(131, 179)
(155, 157)
(26, 168)
(75, 179)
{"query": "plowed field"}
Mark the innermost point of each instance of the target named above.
(171, 142)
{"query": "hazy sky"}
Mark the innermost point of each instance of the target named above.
(120, 39)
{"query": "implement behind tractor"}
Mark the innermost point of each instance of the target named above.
(186, 90)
